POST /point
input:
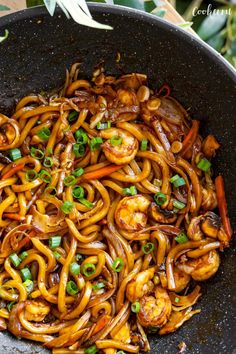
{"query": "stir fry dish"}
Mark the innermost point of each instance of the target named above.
(110, 217)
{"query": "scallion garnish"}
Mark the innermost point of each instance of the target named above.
(51, 190)
(26, 274)
(104, 125)
(98, 286)
(177, 181)
(95, 143)
(44, 134)
(78, 172)
(78, 192)
(78, 150)
(91, 350)
(45, 176)
(118, 264)
(29, 285)
(86, 202)
(57, 255)
(75, 268)
(36, 153)
(69, 181)
(15, 260)
(160, 198)
(135, 307)
(130, 191)
(181, 238)
(116, 140)
(23, 255)
(72, 116)
(88, 269)
(54, 241)
(178, 205)
(67, 207)
(72, 288)
(31, 175)
(10, 305)
(48, 162)
(148, 248)
(143, 145)
(204, 164)
(81, 137)
(15, 154)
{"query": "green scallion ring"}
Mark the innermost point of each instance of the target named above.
(96, 143)
(143, 145)
(48, 162)
(78, 150)
(75, 268)
(44, 134)
(160, 198)
(81, 137)
(135, 307)
(88, 269)
(23, 255)
(181, 238)
(36, 153)
(118, 264)
(15, 260)
(86, 202)
(72, 288)
(116, 140)
(148, 248)
(70, 181)
(72, 116)
(178, 205)
(78, 172)
(54, 241)
(26, 274)
(91, 350)
(98, 286)
(204, 164)
(45, 176)
(31, 175)
(67, 207)
(78, 192)
(15, 154)
(50, 190)
(29, 285)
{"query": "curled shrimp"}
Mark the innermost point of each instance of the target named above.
(155, 309)
(209, 200)
(140, 285)
(201, 268)
(131, 213)
(36, 310)
(181, 279)
(124, 152)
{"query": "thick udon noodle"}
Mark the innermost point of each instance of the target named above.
(121, 174)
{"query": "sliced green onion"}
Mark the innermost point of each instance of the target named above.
(50, 151)
(75, 268)
(67, 207)
(69, 181)
(10, 305)
(118, 264)
(89, 269)
(104, 125)
(15, 154)
(48, 162)
(31, 175)
(204, 164)
(72, 116)
(36, 153)
(72, 288)
(29, 285)
(98, 286)
(78, 192)
(95, 143)
(81, 137)
(116, 140)
(45, 176)
(120, 352)
(91, 350)
(143, 145)
(78, 172)
(23, 255)
(26, 274)
(44, 134)
(79, 257)
(78, 150)
(54, 241)
(15, 260)
(86, 202)
(181, 238)
(130, 191)
(135, 307)
(160, 198)
(148, 248)
(177, 299)
(57, 255)
(178, 205)
(157, 182)
(51, 190)
(177, 181)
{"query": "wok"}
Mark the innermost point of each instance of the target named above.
(34, 58)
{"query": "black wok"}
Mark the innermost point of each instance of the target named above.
(34, 58)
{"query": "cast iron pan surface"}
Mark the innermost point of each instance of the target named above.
(34, 58)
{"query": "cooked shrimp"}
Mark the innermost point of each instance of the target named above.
(155, 309)
(140, 285)
(209, 201)
(124, 152)
(36, 310)
(194, 231)
(203, 267)
(181, 279)
(161, 215)
(131, 212)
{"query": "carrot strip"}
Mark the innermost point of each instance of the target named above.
(14, 216)
(101, 323)
(190, 137)
(26, 240)
(13, 170)
(222, 205)
(102, 172)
